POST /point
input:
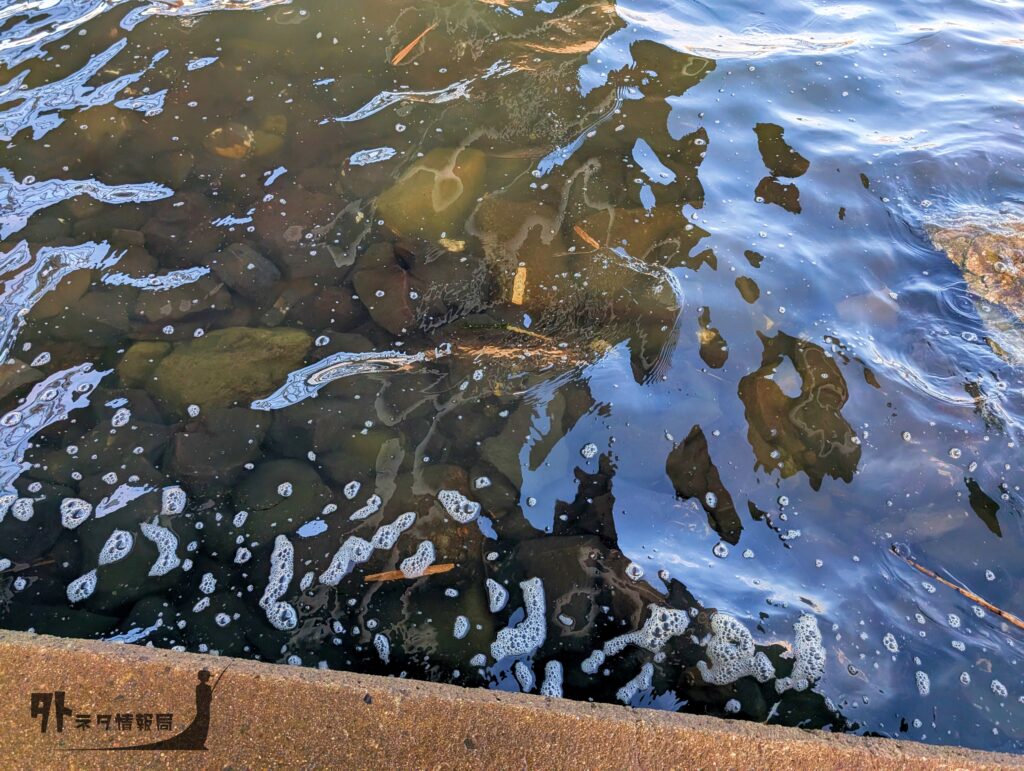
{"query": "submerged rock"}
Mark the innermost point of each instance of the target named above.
(434, 197)
(245, 271)
(228, 366)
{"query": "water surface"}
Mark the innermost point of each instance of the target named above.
(654, 314)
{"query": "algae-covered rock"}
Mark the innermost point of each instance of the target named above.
(228, 366)
(434, 197)
(138, 363)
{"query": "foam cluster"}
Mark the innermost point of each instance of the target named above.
(458, 506)
(117, 547)
(74, 511)
(661, 626)
(166, 545)
(810, 656)
(497, 596)
(172, 501)
(355, 550)
(461, 627)
(383, 646)
(524, 674)
(82, 587)
(553, 675)
(528, 635)
(641, 682)
(280, 614)
(732, 656)
(372, 506)
(416, 565)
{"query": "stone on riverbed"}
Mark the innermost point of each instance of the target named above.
(434, 197)
(228, 366)
(245, 271)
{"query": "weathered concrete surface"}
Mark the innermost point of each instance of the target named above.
(267, 715)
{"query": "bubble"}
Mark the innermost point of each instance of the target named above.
(222, 619)
(710, 499)
(634, 572)
(720, 550)
(954, 453)
(481, 482)
(193, 410)
(732, 706)
(121, 417)
(284, 489)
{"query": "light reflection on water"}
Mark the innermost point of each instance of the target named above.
(652, 282)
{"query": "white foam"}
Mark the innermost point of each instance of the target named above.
(242, 555)
(4, 563)
(354, 551)
(383, 646)
(207, 584)
(172, 501)
(372, 507)
(732, 655)
(593, 662)
(461, 627)
(809, 653)
(662, 625)
(117, 547)
(74, 511)
(524, 674)
(589, 451)
(641, 682)
(239, 519)
(387, 535)
(529, 634)
(202, 605)
(497, 596)
(351, 490)
(924, 683)
(282, 567)
(416, 565)
(478, 660)
(23, 509)
(552, 685)
(166, 545)
(82, 587)
(458, 506)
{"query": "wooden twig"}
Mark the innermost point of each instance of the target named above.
(519, 286)
(400, 56)
(398, 575)
(586, 237)
(1006, 616)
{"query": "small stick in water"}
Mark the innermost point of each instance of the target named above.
(586, 237)
(400, 56)
(1006, 616)
(519, 286)
(398, 575)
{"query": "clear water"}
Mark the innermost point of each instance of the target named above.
(652, 282)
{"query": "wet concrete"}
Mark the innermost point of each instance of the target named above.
(265, 715)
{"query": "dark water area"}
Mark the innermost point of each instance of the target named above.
(653, 351)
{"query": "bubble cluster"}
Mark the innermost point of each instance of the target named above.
(373, 504)
(172, 501)
(641, 682)
(461, 627)
(281, 615)
(117, 547)
(82, 587)
(355, 550)
(351, 490)
(661, 625)
(528, 634)
(74, 511)
(458, 506)
(497, 595)
(589, 451)
(731, 653)
(416, 565)
(809, 653)
(524, 675)
(166, 545)
(552, 684)
(383, 646)
(924, 683)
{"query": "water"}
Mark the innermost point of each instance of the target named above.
(662, 287)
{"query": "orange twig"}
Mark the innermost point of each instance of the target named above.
(586, 236)
(1006, 616)
(400, 56)
(398, 575)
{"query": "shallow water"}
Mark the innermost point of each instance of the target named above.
(651, 283)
